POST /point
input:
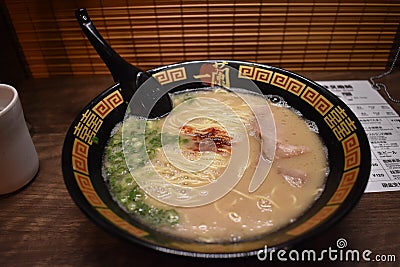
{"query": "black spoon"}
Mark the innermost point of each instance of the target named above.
(128, 76)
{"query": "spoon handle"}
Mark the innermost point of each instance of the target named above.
(121, 70)
(130, 78)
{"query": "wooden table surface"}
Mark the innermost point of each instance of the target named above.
(41, 226)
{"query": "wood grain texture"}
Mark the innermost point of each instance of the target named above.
(41, 226)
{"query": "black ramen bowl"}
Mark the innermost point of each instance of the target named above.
(342, 133)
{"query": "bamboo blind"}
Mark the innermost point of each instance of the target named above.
(296, 35)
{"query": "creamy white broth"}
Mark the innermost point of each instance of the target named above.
(295, 181)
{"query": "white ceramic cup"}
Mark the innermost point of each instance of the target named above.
(19, 161)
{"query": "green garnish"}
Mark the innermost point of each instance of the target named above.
(122, 185)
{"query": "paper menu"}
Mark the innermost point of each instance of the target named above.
(382, 125)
